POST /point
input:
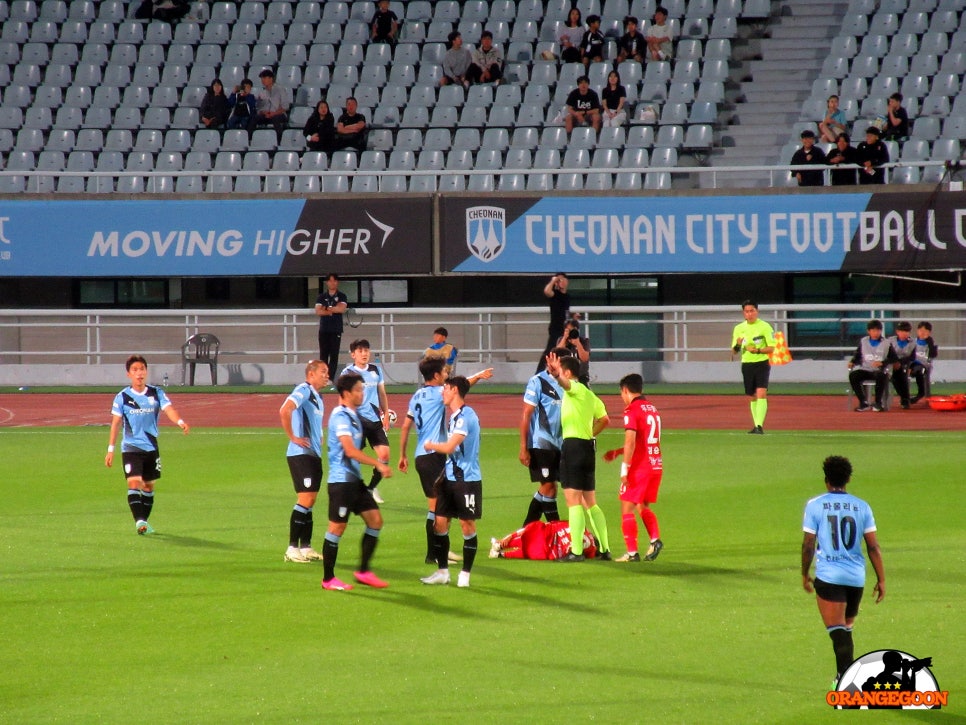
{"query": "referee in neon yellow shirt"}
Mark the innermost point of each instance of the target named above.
(582, 417)
(755, 340)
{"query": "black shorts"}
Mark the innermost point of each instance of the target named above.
(544, 465)
(430, 468)
(461, 500)
(306, 473)
(351, 497)
(755, 375)
(578, 464)
(840, 593)
(374, 433)
(142, 464)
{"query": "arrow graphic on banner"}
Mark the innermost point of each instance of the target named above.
(385, 228)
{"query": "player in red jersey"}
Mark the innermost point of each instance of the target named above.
(641, 470)
(539, 540)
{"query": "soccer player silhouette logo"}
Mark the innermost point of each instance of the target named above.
(888, 680)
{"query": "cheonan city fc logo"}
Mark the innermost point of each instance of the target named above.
(486, 232)
(888, 679)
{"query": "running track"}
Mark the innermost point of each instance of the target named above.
(720, 412)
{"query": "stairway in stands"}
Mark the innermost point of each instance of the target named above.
(773, 88)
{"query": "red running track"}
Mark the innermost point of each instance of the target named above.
(718, 412)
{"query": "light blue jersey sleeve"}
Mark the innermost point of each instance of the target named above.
(307, 420)
(463, 464)
(544, 395)
(429, 416)
(343, 422)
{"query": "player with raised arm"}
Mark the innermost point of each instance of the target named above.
(137, 408)
(427, 413)
(641, 470)
(540, 441)
(302, 415)
(582, 417)
(347, 491)
(460, 492)
(374, 410)
(835, 525)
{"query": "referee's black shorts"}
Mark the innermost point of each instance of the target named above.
(755, 375)
(578, 464)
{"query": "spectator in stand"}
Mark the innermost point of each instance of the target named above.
(169, 11)
(214, 106)
(350, 131)
(571, 36)
(897, 120)
(632, 45)
(583, 106)
(659, 40)
(319, 130)
(809, 154)
(242, 105)
(385, 24)
(844, 154)
(613, 98)
(456, 62)
(834, 122)
(487, 61)
(870, 155)
(592, 43)
(271, 105)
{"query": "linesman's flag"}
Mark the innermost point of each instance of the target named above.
(781, 355)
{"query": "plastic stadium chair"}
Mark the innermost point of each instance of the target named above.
(200, 349)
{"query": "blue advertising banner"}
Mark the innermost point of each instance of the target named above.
(162, 238)
(762, 233)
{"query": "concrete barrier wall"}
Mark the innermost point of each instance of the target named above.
(607, 373)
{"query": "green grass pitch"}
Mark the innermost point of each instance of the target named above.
(203, 623)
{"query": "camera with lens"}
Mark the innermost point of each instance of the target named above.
(573, 334)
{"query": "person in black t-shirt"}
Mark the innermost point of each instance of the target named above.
(809, 154)
(583, 106)
(592, 45)
(350, 131)
(330, 305)
(843, 153)
(897, 127)
(559, 300)
(632, 44)
(871, 154)
(385, 24)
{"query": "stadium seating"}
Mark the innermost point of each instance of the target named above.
(88, 71)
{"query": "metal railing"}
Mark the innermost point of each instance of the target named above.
(706, 177)
(487, 335)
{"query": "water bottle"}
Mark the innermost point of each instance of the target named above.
(164, 381)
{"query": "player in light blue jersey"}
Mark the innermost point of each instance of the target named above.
(374, 409)
(540, 441)
(460, 493)
(428, 413)
(137, 408)
(838, 522)
(302, 416)
(347, 491)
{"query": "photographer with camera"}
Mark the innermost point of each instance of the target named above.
(559, 299)
(242, 105)
(578, 346)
